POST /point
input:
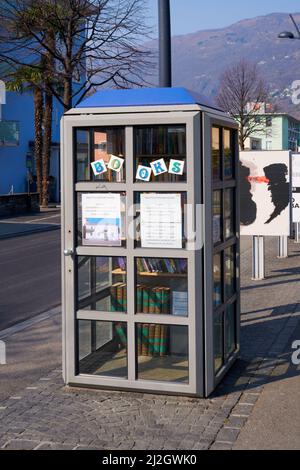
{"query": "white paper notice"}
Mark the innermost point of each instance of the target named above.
(101, 219)
(161, 220)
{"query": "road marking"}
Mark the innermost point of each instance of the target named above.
(15, 398)
(240, 416)
(42, 218)
(31, 388)
(30, 322)
(224, 442)
(2, 408)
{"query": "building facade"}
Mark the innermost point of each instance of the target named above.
(17, 165)
(280, 131)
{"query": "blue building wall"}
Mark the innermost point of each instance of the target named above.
(13, 171)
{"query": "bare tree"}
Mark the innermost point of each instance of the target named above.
(97, 41)
(241, 94)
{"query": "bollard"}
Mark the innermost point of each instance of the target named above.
(282, 247)
(258, 258)
(297, 232)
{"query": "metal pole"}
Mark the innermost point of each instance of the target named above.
(297, 232)
(283, 247)
(164, 22)
(258, 258)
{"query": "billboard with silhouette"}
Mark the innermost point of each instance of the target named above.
(265, 193)
(296, 187)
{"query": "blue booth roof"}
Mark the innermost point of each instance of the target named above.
(144, 97)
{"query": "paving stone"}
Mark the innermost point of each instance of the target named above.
(227, 435)
(221, 446)
(20, 445)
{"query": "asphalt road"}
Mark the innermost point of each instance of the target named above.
(29, 276)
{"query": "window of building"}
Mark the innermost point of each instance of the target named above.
(269, 121)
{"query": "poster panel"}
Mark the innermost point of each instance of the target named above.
(161, 220)
(296, 187)
(265, 193)
(101, 219)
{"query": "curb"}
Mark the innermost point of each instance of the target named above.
(12, 330)
(48, 228)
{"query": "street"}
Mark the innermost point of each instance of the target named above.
(29, 276)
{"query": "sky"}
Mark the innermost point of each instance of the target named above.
(189, 16)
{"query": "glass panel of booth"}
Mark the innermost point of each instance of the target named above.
(225, 330)
(102, 283)
(229, 213)
(216, 153)
(230, 341)
(223, 153)
(100, 154)
(217, 216)
(228, 153)
(160, 153)
(102, 348)
(162, 352)
(161, 286)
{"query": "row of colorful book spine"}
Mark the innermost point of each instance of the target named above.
(166, 265)
(152, 340)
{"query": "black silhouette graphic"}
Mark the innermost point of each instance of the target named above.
(248, 206)
(279, 188)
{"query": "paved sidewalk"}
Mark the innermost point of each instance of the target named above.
(50, 416)
(275, 421)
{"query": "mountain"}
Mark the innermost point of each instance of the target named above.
(200, 58)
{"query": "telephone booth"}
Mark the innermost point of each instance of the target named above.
(151, 295)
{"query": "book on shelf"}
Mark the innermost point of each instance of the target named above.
(139, 299)
(139, 339)
(164, 333)
(152, 339)
(121, 263)
(145, 305)
(145, 339)
(157, 340)
(118, 297)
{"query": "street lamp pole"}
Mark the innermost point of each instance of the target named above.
(165, 61)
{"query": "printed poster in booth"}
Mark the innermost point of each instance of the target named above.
(265, 193)
(296, 187)
(101, 219)
(161, 220)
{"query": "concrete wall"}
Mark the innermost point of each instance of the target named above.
(18, 204)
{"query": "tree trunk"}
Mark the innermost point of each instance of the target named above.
(241, 138)
(47, 147)
(49, 69)
(38, 144)
(68, 93)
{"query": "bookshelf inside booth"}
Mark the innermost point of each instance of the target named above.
(153, 143)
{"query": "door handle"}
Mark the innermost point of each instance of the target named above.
(68, 252)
